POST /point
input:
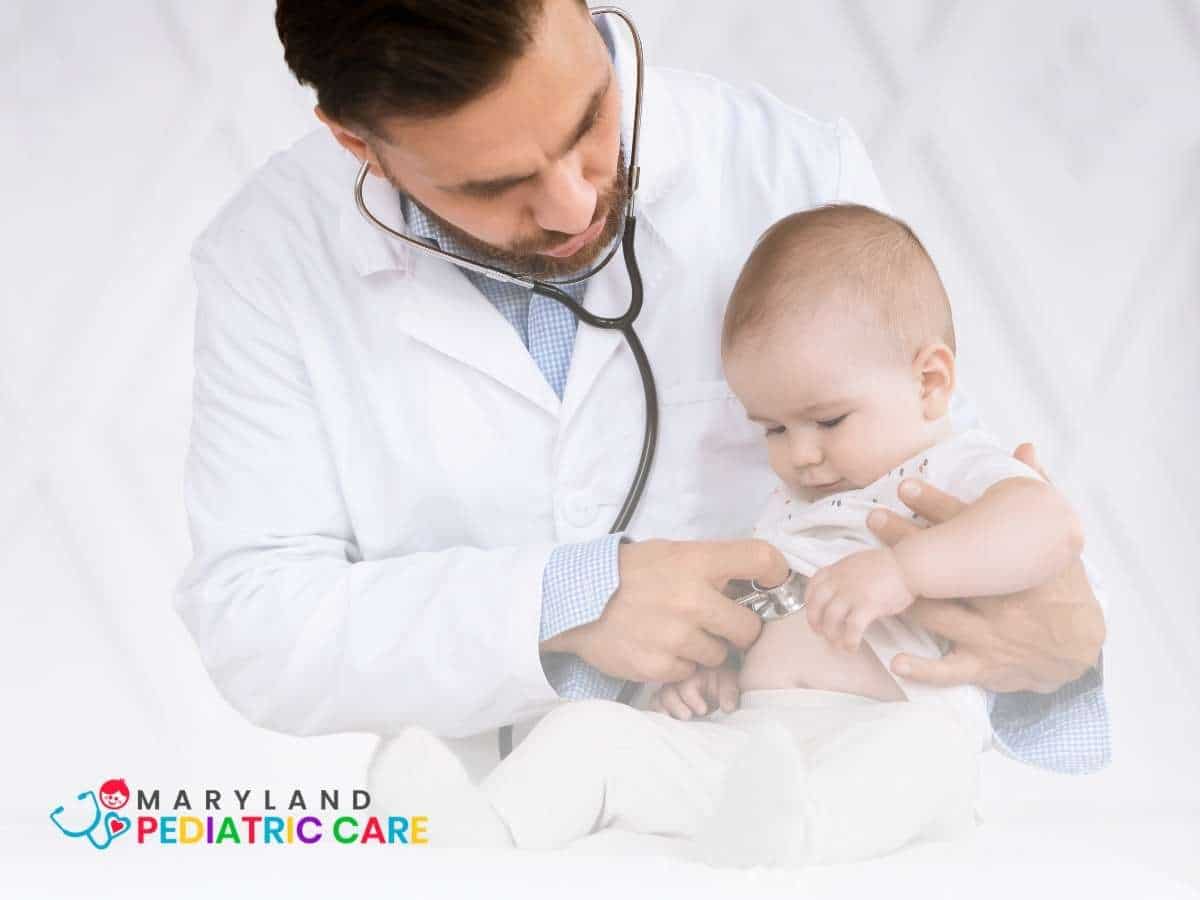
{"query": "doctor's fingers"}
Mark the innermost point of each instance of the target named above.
(955, 668)
(889, 527)
(723, 618)
(925, 500)
(719, 561)
(700, 647)
(664, 668)
(950, 619)
(1027, 454)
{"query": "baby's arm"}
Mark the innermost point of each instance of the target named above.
(1020, 533)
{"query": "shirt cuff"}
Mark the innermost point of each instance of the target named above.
(576, 584)
(1066, 731)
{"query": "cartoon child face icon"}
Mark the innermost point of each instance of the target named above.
(114, 793)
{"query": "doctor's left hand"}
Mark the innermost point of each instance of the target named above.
(1035, 640)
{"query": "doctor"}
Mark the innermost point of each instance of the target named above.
(401, 473)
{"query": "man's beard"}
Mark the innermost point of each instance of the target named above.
(523, 257)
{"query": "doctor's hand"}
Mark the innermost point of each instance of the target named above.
(668, 616)
(1035, 640)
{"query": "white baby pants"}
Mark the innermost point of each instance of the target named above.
(856, 777)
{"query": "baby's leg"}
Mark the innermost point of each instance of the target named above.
(594, 764)
(842, 783)
(887, 780)
(416, 771)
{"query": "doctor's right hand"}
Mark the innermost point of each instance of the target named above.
(668, 616)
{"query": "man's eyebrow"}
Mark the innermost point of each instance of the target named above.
(494, 185)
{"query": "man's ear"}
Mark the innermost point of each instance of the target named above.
(360, 148)
(934, 368)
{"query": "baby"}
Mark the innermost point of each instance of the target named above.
(838, 339)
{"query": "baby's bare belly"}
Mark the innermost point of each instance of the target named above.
(788, 654)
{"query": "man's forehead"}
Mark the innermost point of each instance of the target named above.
(455, 153)
(528, 118)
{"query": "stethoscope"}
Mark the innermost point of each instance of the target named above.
(767, 602)
(89, 831)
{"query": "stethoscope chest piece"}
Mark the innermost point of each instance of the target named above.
(776, 602)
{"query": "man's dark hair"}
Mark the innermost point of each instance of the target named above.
(369, 59)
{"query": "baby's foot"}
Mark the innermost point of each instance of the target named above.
(415, 773)
(759, 817)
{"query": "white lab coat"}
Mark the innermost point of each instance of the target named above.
(378, 470)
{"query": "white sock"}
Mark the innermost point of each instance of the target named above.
(759, 817)
(415, 773)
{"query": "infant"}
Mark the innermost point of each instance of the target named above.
(839, 340)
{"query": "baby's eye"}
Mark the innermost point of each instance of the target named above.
(774, 429)
(832, 423)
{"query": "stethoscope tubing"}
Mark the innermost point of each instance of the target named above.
(623, 324)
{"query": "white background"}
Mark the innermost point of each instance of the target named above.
(1047, 152)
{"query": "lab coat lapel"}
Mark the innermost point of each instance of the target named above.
(607, 295)
(608, 292)
(436, 304)
(443, 309)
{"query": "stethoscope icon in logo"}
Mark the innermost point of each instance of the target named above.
(111, 825)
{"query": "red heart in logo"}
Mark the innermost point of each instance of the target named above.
(116, 825)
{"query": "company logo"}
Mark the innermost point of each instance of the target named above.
(99, 828)
(94, 817)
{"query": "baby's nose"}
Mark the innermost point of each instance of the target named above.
(806, 453)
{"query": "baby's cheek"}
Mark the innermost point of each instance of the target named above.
(776, 459)
(859, 449)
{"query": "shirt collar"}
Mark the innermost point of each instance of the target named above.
(421, 226)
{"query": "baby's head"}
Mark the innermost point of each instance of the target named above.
(838, 339)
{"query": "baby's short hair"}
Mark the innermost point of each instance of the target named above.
(869, 263)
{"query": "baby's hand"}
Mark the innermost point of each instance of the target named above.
(846, 597)
(700, 693)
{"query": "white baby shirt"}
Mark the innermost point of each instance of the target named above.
(815, 534)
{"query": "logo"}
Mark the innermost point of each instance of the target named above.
(94, 817)
(99, 828)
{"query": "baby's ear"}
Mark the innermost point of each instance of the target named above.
(934, 368)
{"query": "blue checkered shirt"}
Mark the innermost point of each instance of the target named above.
(1065, 731)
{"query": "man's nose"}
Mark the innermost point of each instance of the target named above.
(568, 200)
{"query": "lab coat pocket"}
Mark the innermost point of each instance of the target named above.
(711, 475)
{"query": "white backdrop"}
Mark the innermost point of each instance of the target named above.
(1047, 152)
